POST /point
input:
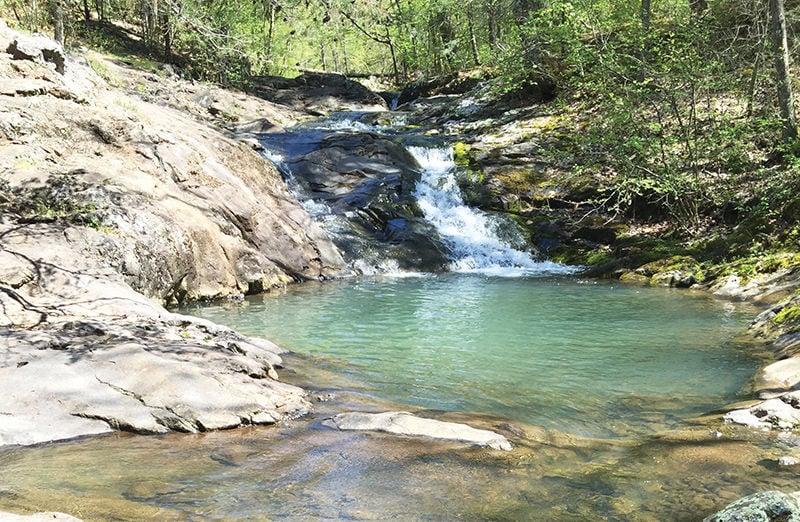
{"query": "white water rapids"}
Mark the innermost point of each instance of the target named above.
(470, 234)
(476, 241)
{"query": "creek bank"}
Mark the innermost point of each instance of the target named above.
(123, 191)
(112, 205)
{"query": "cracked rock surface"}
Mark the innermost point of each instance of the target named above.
(82, 377)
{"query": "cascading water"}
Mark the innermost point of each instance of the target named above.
(356, 179)
(469, 233)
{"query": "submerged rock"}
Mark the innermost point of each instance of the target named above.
(403, 423)
(767, 506)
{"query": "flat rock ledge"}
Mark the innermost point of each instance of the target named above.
(80, 377)
(404, 423)
(766, 506)
(779, 386)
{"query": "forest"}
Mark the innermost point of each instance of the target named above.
(683, 109)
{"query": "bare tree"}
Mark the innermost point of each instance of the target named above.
(780, 49)
(57, 14)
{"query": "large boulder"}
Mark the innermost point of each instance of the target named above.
(318, 93)
(767, 506)
(39, 49)
(366, 183)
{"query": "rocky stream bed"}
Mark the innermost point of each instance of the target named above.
(123, 191)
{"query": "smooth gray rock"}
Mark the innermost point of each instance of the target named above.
(404, 423)
(767, 506)
(68, 379)
(777, 412)
(38, 48)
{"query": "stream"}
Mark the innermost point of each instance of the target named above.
(600, 387)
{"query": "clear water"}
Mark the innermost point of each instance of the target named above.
(591, 359)
(593, 383)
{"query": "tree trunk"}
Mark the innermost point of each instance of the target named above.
(87, 13)
(57, 12)
(100, 7)
(491, 27)
(645, 14)
(780, 48)
(166, 30)
(473, 40)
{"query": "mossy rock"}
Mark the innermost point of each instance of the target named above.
(789, 316)
(519, 179)
(664, 265)
(634, 278)
(461, 154)
(677, 271)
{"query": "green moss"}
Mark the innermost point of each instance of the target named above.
(669, 264)
(519, 180)
(789, 315)
(101, 68)
(461, 154)
(749, 267)
(634, 278)
(776, 262)
(599, 257)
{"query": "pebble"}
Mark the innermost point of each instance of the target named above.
(788, 461)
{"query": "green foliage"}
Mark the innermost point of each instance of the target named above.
(667, 106)
(788, 316)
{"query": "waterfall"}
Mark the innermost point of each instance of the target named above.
(470, 234)
(352, 195)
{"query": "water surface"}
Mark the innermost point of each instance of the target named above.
(592, 359)
(592, 382)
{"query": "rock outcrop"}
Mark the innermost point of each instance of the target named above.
(39, 49)
(404, 423)
(318, 94)
(110, 207)
(76, 377)
(178, 208)
(366, 182)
